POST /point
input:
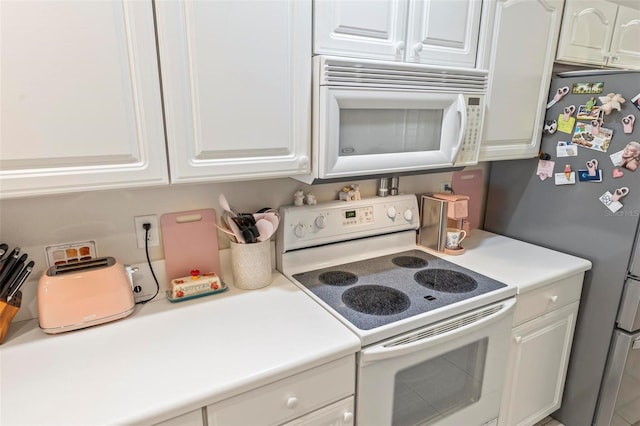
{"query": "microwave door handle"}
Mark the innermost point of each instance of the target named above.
(462, 110)
(382, 352)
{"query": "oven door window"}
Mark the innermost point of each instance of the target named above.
(428, 392)
(386, 131)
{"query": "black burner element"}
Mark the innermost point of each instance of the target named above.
(446, 281)
(409, 262)
(376, 300)
(339, 278)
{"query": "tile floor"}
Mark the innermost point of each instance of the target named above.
(548, 421)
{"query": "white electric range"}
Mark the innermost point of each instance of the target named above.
(435, 335)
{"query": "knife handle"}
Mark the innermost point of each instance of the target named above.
(8, 311)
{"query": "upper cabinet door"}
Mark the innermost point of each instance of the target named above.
(625, 42)
(237, 87)
(587, 28)
(372, 29)
(444, 32)
(520, 64)
(80, 97)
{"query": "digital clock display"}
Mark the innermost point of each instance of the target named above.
(350, 214)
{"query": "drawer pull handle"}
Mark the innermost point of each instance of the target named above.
(518, 339)
(292, 402)
(347, 417)
(553, 299)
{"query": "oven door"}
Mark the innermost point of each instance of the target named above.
(449, 373)
(373, 131)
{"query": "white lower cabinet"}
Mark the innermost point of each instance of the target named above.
(340, 413)
(542, 336)
(309, 394)
(192, 418)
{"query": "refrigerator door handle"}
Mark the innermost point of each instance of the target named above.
(636, 344)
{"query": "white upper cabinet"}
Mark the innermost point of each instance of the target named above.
(600, 33)
(236, 80)
(435, 32)
(80, 97)
(520, 61)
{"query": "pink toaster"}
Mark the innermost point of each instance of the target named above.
(83, 294)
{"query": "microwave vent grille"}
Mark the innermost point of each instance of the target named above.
(343, 72)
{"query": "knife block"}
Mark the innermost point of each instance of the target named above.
(8, 310)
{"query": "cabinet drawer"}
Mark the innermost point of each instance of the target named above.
(548, 298)
(288, 398)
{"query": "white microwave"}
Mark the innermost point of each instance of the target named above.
(384, 118)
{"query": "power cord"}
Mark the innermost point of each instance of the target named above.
(147, 227)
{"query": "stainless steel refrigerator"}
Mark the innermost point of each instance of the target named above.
(586, 208)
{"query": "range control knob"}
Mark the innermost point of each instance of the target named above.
(408, 215)
(392, 212)
(300, 230)
(321, 222)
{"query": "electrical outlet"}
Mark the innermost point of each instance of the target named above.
(445, 186)
(153, 235)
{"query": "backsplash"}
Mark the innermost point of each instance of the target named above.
(106, 217)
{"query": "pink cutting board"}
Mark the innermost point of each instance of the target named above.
(470, 183)
(190, 242)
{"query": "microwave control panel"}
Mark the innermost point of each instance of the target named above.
(470, 148)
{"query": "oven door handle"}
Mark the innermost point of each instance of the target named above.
(438, 333)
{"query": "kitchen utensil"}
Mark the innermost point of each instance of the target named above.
(247, 225)
(3, 249)
(8, 281)
(265, 229)
(5, 268)
(227, 231)
(24, 274)
(222, 200)
(470, 183)
(190, 242)
(234, 228)
(270, 215)
(83, 294)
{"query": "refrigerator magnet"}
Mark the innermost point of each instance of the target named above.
(591, 173)
(611, 101)
(566, 149)
(627, 123)
(545, 169)
(595, 126)
(617, 173)
(550, 127)
(560, 93)
(583, 136)
(588, 113)
(566, 125)
(590, 88)
(635, 100)
(612, 201)
(629, 157)
(567, 177)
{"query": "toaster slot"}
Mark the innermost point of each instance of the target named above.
(97, 263)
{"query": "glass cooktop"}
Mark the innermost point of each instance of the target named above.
(381, 290)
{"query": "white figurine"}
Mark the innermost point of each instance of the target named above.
(346, 194)
(356, 191)
(311, 199)
(298, 197)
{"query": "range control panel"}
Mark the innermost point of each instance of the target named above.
(334, 221)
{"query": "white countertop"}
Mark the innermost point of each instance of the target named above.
(514, 262)
(166, 358)
(170, 358)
